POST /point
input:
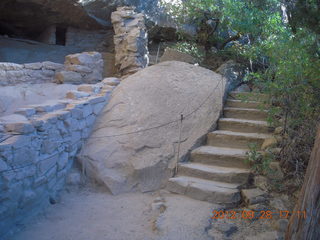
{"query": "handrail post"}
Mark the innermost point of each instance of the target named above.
(179, 143)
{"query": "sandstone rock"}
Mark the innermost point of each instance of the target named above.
(68, 77)
(131, 42)
(86, 67)
(17, 123)
(276, 171)
(86, 88)
(233, 72)
(111, 81)
(76, 95)
(253, 196)
(243, 88)
(268, 143)
(261, 182)
(154, 96)
(10, 66)
(175, 55)
(276, 151)
(52, 65)
(278, 204)
(278, 130)
(88, 59)
(33, 66)
(78, 68)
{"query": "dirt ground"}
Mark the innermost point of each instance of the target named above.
(93, 214)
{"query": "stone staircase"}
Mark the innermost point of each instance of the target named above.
(218, 171)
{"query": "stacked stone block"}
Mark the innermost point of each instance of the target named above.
(38, 145)
(86, 67)
(131, 41)
(40, 72)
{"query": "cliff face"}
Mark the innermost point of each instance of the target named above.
(102, 9)
(30, 17)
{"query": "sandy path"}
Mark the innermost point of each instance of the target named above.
(95, 215)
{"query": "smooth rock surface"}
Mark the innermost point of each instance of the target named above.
(150, 98)
(175, 55)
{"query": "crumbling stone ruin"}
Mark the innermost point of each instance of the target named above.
(84, 67)
(130, 40)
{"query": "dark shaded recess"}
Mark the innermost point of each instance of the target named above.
(61, 36)
(28, 19)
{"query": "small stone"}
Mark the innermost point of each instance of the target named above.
(17, 123)
(78, 68)
(33, 66)
(243, 88)
(52, 65)
(281, 225)
(261, 182)
(111, 81)
(158, 206)
(278, 130)
(258, 206)
(76, 95)
(268, 143)
(276, 151)
(68, 77)
(28, 112)
(54, 199)
(278, 204)
(95, 100)
(253, 196)
(276, 171)
(86, 88)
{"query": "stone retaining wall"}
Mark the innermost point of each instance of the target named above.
(37, 147)
(130, 40)
(12, 73)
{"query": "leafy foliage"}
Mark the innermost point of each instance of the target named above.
(280, 43)
(260, 163)
(190, 48)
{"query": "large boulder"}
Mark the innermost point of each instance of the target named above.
(122, 154)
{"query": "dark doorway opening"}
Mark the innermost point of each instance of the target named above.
(61, 36)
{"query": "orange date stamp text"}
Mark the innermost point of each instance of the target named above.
(261, 214)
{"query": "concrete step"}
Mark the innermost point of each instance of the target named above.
(214, 173)
(243, 104)
(217, 156)
(245, 113)
(243, 125)
(248, 96)
(238, 140)
(204, 190)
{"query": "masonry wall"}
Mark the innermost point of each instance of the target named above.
(91, 40)
(38, 146)
(40, 72)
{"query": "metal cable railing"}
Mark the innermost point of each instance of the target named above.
(180, 120)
